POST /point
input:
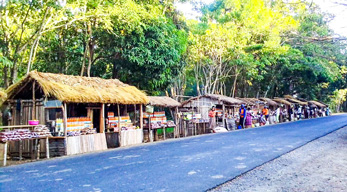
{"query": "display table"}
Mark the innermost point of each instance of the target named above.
(35, 151)
(85, 143)
(131, 137)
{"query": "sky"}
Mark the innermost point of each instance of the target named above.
(338, 24)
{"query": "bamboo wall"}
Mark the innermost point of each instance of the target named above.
(22, 111)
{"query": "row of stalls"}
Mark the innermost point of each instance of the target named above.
(55, 115)
(77, 114)
(227, 109)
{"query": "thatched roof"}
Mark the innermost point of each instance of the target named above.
(163, 101)
(221, 98)
(3, 96)
(318, 104)
(76, 89)
(251, 101)
(269, 101)
(225, 99)
(295, 101)
(282, 101)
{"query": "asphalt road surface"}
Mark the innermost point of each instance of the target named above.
(191, 164)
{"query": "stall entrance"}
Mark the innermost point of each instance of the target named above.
(96, 119)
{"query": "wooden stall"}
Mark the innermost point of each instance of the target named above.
(200, 106)
(295, 101)
(126, 120)
(272, 104)
(72, 107)
(163, 127)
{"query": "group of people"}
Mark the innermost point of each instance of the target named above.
(247, 118)
(278, 115)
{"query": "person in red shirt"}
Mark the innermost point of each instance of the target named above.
(212, 115)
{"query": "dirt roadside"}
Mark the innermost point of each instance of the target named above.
(321, 165)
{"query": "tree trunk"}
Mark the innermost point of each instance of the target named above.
(234, 86)
(6, 84)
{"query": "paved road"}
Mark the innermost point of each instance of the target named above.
(191, 164)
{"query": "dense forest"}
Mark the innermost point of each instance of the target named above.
(240, 48)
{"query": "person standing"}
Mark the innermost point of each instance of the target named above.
(248, 118)
(299, 112)
(290, 113)
(212, 115)
(242, 113)
(278, 112)
(265, 112)
(327, 112)
(307, 112)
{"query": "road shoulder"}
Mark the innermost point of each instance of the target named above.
(318, 166)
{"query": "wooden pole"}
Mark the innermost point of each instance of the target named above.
(20, 149)
(5, 153)
(65, 119)
(65, 126)
(223, 119)
(141, 116)
(47, 147)
(38, 149)
(119, 126)
(102, 118)
(33, 114)
(135, 115)
(150, 134)
(177, 123)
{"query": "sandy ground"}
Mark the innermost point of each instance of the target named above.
(321, 165)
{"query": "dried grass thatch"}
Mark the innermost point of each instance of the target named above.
(3, 96)
(251, 101)
(295, 101)
(163, 101)
(76, 89)
(318, 104)
(221, 98)
(282, 101)
(269, 101)
(225, 99)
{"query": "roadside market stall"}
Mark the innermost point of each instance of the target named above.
(319, 107)
(269, 102)
(199, 108)
(295, 101)
(256, 106)
(284, 108)
(71, 107)
(159, 121)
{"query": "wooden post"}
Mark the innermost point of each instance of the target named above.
(141, 116)
(135, 115)
(176, 132)
(38, 149)
(47, 147)
(33, 114)
(194, 126)
(65, 126)
(150, 133)
(223, 119)
(102, 118)
(5, 153)
(119, 126)
(65, 118)
(164, 132)
(20, 150)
